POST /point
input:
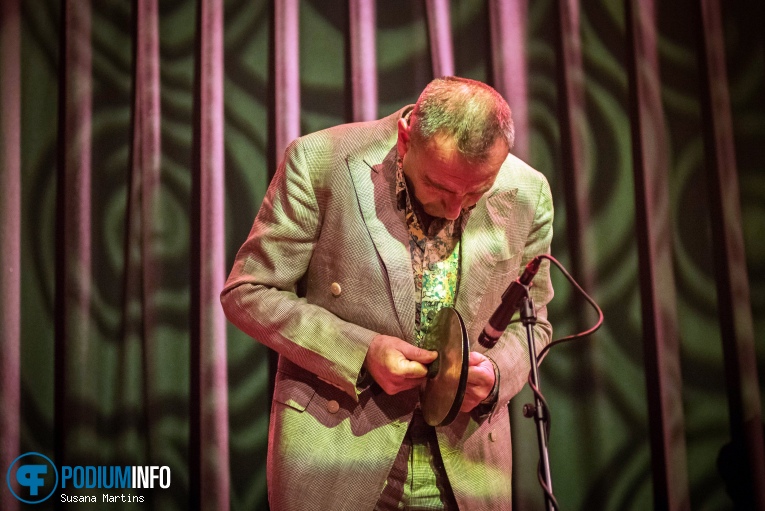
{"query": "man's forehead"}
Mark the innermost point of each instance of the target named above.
(443, 148)
(441, 145)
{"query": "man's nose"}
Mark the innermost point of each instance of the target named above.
(454, 208)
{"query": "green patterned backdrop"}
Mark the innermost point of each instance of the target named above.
(596, 390)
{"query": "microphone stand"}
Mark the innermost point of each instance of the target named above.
(538, 410)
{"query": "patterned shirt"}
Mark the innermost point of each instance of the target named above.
(418, 473)
(435, 259)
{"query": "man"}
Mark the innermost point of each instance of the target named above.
(366, 231)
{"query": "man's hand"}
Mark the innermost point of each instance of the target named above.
(397, 365)
(480, 381)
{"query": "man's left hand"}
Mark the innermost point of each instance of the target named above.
(480, 381)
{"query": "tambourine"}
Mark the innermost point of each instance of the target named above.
(442, 393)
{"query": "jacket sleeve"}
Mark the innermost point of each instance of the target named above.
(260, 296)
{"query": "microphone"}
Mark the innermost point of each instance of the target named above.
(511, 301)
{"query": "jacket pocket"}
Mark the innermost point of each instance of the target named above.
(296, 394)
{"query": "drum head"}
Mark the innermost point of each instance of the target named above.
(442, 394)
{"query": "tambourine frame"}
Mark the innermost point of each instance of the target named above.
(442, 394)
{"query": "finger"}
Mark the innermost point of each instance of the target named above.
(411, 383)
(396, 384)
(418, 354)
(404, 384)
(410, 369)
(480, 375)
(477, 358)
(470, 401)
(469, 404)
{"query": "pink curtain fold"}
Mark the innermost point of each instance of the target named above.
(147, 151)
(10, 238)
(440, 36)
(141, 262)
(363, 59)
(655, 253)
(734, 303)
(507, 19)
(73, 349)
(573, 128)
(507, 24)
(109, 392)
(209, 362)
(286, 73)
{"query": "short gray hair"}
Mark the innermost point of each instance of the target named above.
(472, 113)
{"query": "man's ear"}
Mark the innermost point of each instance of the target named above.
(404, 137)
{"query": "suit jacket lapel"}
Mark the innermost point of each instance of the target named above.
(484, 242)
(376, 192)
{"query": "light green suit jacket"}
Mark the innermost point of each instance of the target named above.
(325, 268)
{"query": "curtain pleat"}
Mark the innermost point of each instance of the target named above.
(121, 397)
(209, 428)
(363, 59)
(655, 253)
(507, 24)
(440, 36)
(141, 281)
(10, 238)
(286, 73)
(507, 21)
(573, 129)
(734, 304)
(76, 386)
(147, 157)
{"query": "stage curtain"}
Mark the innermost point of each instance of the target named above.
(137, 140)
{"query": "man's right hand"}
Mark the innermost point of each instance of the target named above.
(397, 365)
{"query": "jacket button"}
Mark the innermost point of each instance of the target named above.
(492, 436)
(335, 289)
(333, 406)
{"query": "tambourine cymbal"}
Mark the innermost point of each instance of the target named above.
(442, 394)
